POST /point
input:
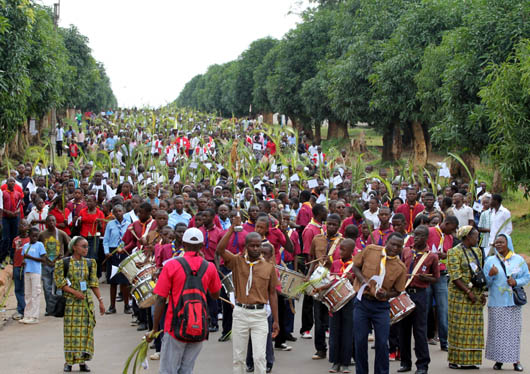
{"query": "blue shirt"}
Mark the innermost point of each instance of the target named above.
(110, 143)
(175, 218)
(226, 223)
(500, 292)
(34, 250)
(114, 233)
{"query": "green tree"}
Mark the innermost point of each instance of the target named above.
(506, 98)
(454, 71)
(17, 18)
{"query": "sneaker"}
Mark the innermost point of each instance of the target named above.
(335, 368)
(346, 369)
(17, 316)
(23, 320)
(290, 338)
(225, 337)
(433, 342)
(307, 335)
(392, 356)
(327, 334)
(220, 316)
(31, 321)
(371, 338)
(111, 310)
(250, 369)
(284, 347)
(127, 310)
(155, 356)
(319, 355)
(134, 322)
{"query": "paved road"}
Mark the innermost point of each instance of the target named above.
(29, 349)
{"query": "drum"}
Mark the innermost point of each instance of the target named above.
(128, 266)
(142, 292)
(400, 307)
(147, 271)
(319, 278)
(338, 295)
(291, 281)
(228, 283)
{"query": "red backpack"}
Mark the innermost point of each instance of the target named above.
(190, 315)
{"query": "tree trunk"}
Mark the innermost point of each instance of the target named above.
(420, 147)
(392, 145)
(497, 182)
(388, 137)
(318, 136)
(332, 130)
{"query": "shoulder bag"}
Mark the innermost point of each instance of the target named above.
(519, 294)
(477, 277)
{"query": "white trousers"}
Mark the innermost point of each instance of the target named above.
(253, 322)
(32, 290)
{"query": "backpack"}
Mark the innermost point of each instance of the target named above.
(190, 315)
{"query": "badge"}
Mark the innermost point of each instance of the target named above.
(82, 285)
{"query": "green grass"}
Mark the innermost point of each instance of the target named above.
(520, 210)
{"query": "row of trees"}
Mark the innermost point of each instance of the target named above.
(43, 67)
(420, 71)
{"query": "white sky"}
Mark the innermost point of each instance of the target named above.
(151, 48)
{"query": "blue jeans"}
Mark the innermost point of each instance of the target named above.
(371, 313)
(440, 293)
(47, 286)
(9, 232)
(341, 335)
(18, 277)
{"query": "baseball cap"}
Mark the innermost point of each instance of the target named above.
(193, 236)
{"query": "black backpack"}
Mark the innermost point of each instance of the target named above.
(190, 315)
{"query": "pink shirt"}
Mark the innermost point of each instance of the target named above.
(304, 215)
(211, 238)
(308, 234)
(295, 239)
(435, 239)
(349, 221)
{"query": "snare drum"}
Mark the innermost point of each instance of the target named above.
(319, 278)
(338, 295)
(128, 266)
(291, 281)
(400, 307)
(147, 271)
(142, 291)
(228, 283)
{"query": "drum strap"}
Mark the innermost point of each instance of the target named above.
(416, 268)
(336, 242)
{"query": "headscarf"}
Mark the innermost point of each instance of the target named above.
(463, 231)
(73, 242)
(509, 241)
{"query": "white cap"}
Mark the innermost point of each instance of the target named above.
(193, 236)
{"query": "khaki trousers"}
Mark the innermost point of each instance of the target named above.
(32, 290)
(251, 322)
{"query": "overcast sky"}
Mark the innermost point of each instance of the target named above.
(150, 49)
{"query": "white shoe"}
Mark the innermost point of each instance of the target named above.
(284, 347)
(23, 320)
(307, 335)
(371, 338)
(155, 356)
(31, 321)
(220, 316)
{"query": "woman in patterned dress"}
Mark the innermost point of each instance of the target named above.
(504, 317)
(466, 302)
(79, 318)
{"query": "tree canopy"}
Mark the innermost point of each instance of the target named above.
(42, 67)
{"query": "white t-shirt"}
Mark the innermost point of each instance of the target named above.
(60, 134)
(464, 215)
(374, 217)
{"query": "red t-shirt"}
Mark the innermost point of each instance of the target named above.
(61, 218)
(349, 221)
(287, 256)
(308, 234)
(211, 239)
(410, 212)
(88, 222)
(438, 241)
(171, 282)
(380, 236)
(304, 214)
(18, 244)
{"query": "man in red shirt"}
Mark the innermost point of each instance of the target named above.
(440, 241)
(11, 203)
(177, 356)
(411, 208)
(212, 235)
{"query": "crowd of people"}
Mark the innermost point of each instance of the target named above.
(225, 200)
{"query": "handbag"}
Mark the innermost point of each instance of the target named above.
(478, 279)
(60, 302)
(519, 294)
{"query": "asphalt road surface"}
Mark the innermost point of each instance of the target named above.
(29, 349)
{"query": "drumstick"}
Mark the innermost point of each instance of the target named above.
(318, 259)
(415, 275)
(131, 229)
(226, 301)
